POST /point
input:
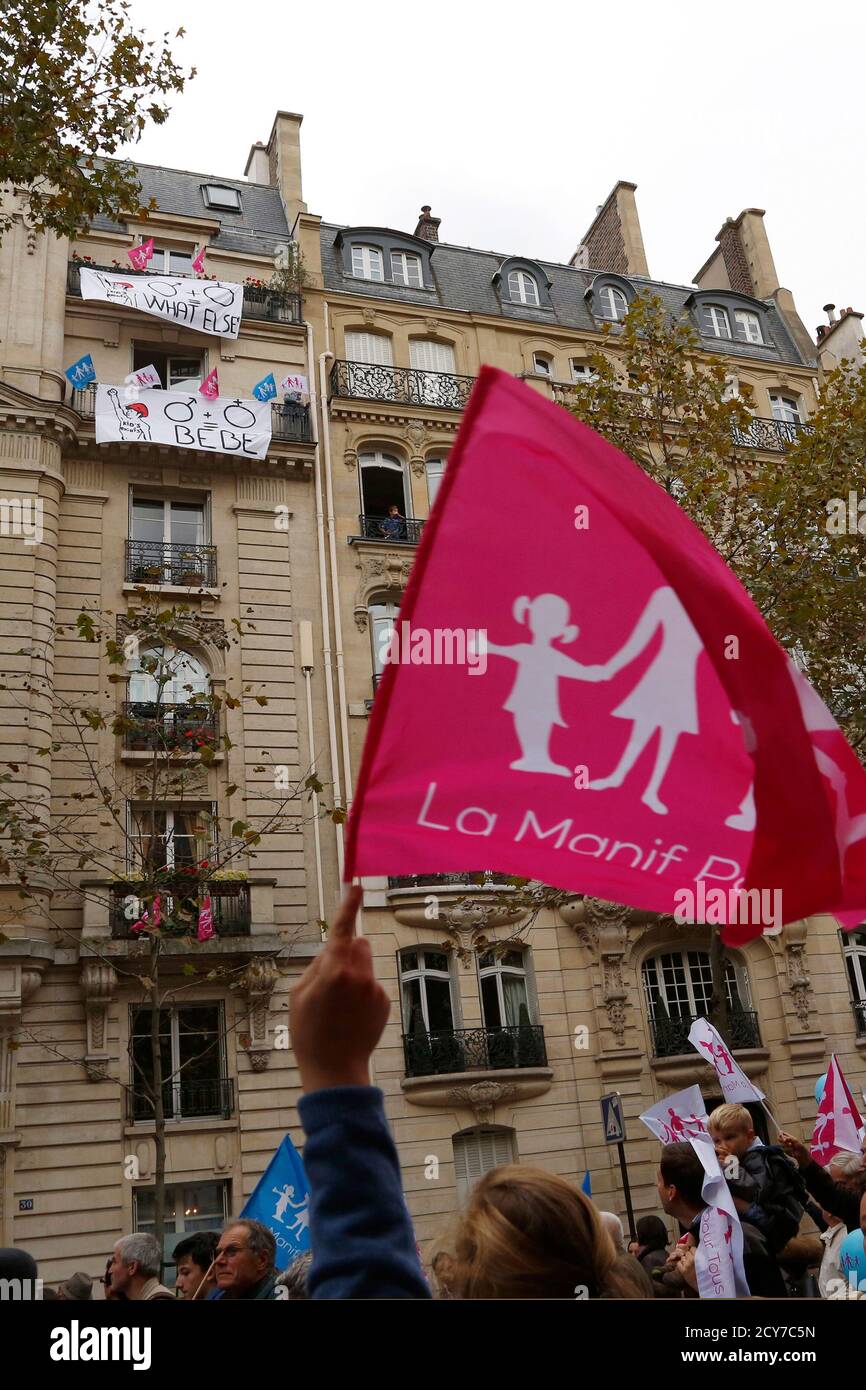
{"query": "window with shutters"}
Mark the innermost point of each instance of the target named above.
(406, 269)
(367, 263)
(426, 355)
(714, 321)
(478, 1151)
(370, 347)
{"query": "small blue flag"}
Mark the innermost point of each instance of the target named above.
(82, 372)
(266, 388)
(586, 1185)
(280, 1200)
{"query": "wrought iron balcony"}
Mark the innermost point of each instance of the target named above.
(859, 1007)
(377, 527)
(403, 385)
(776, 435)
(671, 1033)
(468, 881)
(171, 562)
(474, 1049)
(260, 302)
(187, 1100)
(147, 726)
(288, 422)
(179, 900)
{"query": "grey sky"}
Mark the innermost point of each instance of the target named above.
(514, 122)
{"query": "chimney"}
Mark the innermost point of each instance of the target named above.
(284, 161)
(830, 311)
(428, 227)
(258, 168)
(613, 241)
(744, 262)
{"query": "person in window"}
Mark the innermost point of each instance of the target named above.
(393, 526)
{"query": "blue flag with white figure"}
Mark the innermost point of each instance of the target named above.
(266, 389)
(82, 372)
(280, 1200)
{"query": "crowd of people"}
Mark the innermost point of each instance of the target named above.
(525, 1232)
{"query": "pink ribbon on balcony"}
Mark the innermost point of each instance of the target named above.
(205, 921)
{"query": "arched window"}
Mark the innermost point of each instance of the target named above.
(382, 617)
(384, 487)
(504, 996)
(367, 262)
(715, 321)
(612, 303)
(167, 676)
(406, 269)
(542, 364)
(786, 409)
(477, 1151)
(522, 287)
(425, 991)
(678, 986)
(854, 951)
(747, 327)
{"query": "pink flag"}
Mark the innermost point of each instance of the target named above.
(140, 255)
(210, 387)
(580, 691)
(735, 1085)
(838, 1125)
(205, 921)
(198, 263)
(678, 1117)
(144, 922)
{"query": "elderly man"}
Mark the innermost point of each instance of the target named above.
(135, 1269)
(244, 1261)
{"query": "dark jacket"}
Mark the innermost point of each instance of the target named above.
(772, 1186)
(763, 1275)
(264, 1290)
(835, 1197)
(361, 1231)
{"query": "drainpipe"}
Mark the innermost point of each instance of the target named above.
(307, 665)
(323, 593)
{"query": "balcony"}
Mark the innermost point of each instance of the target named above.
(187, 1100)
(179, 907)
(859, 1007)
(259, 302)
(467, 881)
(404, 530)
(774, 435)
(289, 423)
(402, 385)
(171, 562)
(152, 728)
(671, 1035)
(474, 1049)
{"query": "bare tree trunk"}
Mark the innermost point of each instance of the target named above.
(719, 1011)
(158, 1107)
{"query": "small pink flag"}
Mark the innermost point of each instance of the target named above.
(198, 263)
(144, 922)
(205, 921)
(140, 255)
(210, 387)
(838, 1125)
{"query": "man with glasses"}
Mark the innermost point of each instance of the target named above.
(244, 1261)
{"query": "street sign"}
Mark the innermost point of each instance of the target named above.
(612, 1121)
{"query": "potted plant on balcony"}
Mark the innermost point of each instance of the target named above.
(191, 569)
(148, 574)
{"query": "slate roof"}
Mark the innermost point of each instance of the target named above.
(259, 228)
(464, 281)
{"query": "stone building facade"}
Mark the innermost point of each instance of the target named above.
(487, 1056)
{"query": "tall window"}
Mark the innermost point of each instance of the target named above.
(504, 997)
(183, 834)
(383, 486)
(191, 1045)
(382, 617)
(167, 262)
(166, 541)
(680, 984)
(169, 523)
(477, 1151)
(786, 409)
(714, 321)
(435, 470)
(854, 951)
(177, 371)
(196, 1206)
(179, 676)
(522, 287)
(612, 303)
(425, 991)
(426, 355)
(747, 326)
(367, 263)
(405, 268)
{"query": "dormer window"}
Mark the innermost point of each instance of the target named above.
(367, 263)
(523, 288)
(715, 321)
(222, 198)
(542, 365)
(406, 269)
(747, 327)
(612, 303)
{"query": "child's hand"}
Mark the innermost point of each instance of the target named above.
(338, 1009)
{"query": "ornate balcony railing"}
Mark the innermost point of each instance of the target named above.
(403, 385)
(859, 1008)
(474, 1049)
(179, 907)
(467, 881)
(377, 527)
(288, 422)
(150, 727)
(260, 302)
(187, 1100)
(775, 435)
(171, 562)
(671, 1033)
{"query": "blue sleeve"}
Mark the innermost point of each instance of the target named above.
(361, 1231)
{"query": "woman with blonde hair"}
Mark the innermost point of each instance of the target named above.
(531, 1234)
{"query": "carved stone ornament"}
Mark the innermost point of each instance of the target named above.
(388, 571)
(98, 981)
(257, 983)
(482, 1098)
(799, 980)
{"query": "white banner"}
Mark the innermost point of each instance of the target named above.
(719, 1256)
(208, 306)
(222, 426)
(735, 1085)
(678, 1117)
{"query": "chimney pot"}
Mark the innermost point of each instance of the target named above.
(830, 311)
(428, 226)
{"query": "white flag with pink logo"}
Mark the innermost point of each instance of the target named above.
(735, 1085)
(839, 1124)
(719, 1256)
(678, 1117)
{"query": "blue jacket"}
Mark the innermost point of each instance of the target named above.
(362, 1236)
